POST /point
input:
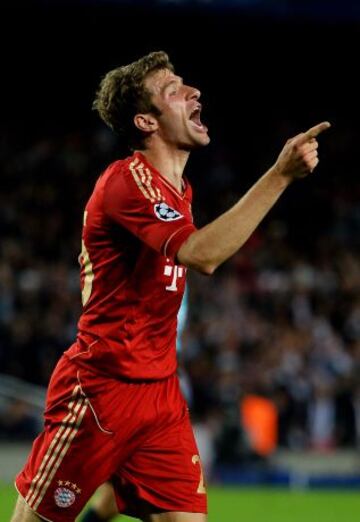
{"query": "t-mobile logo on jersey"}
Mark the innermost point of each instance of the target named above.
(173, 271)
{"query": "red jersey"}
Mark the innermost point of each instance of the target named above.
(134, 224)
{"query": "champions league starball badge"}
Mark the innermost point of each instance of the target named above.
(166, 213)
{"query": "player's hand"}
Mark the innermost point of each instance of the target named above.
(299, 156)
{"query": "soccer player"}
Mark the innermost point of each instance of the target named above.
(114, 408)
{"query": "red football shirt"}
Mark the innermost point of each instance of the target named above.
(134, 223)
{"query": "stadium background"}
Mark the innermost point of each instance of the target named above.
(278, 325)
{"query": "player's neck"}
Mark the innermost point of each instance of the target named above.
(169, 162)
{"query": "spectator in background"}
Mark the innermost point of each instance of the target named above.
(259, 418)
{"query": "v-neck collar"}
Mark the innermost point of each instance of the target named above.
(168, 183)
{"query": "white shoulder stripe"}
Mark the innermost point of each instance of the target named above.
(143, 179)
(139, 182)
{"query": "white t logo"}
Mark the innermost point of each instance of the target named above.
(174, 271)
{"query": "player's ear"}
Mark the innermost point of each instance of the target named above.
(146, 122)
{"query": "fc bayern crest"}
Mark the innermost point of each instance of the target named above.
(64, 497)
(166, 213)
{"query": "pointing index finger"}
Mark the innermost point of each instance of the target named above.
(313, 132)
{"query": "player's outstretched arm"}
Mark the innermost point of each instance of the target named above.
(211, 245)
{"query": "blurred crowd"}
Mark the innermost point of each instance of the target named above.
(279, 322)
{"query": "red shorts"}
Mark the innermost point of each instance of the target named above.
(137, 435)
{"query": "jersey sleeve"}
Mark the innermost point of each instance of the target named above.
(142, 210)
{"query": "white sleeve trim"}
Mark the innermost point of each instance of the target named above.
(173, 235)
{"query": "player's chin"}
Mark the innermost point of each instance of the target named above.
(205, 140)
(201, 139)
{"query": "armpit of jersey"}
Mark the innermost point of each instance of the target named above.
(146, 210)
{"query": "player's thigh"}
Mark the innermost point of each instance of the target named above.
(176, 517)
(23, 513)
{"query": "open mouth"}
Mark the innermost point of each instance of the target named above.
(195, 118)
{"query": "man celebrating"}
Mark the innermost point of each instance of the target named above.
(114, 409)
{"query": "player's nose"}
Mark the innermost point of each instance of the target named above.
(194, 93)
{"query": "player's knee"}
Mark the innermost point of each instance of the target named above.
(93, 516)
(105, 503)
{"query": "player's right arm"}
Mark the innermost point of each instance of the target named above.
(208, 247)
